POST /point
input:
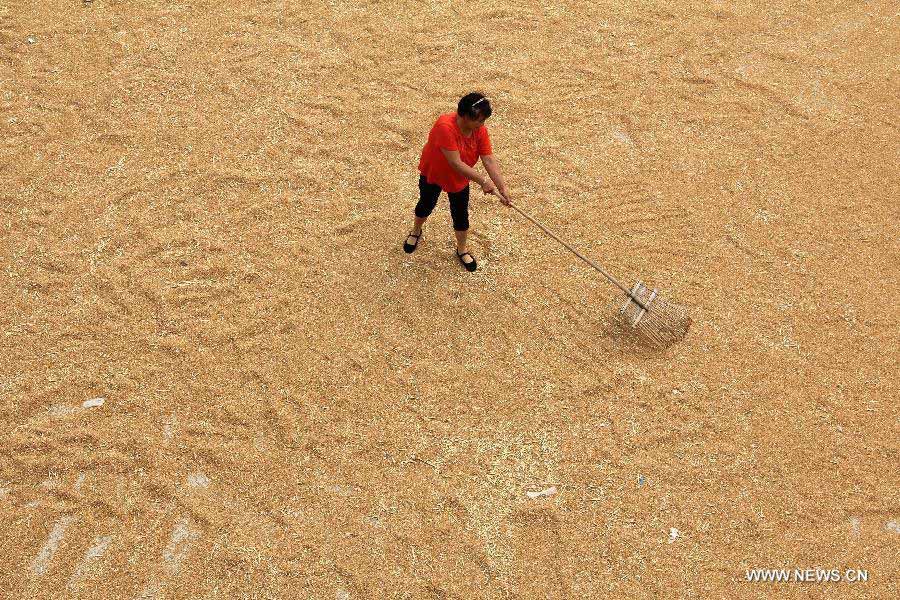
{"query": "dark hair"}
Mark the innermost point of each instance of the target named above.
(474, 106)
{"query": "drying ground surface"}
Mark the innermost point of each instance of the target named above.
(220, 376)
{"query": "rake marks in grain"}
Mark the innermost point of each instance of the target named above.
(45, 556)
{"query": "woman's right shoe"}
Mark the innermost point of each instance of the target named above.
(410, 247)
(470, 266)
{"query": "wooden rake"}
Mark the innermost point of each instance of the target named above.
(657, 320)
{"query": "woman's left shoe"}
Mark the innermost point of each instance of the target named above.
(411, 247)
(470, 266)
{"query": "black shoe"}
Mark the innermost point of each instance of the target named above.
(470, 266)
(410, 247)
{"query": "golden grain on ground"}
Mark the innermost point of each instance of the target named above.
(201, 217)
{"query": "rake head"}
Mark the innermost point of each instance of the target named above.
(658, 321)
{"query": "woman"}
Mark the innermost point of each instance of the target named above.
(455, 143)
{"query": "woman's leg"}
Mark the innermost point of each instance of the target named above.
(461, 237)
(428, 197)
(459, 211)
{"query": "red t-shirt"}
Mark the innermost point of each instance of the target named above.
(446, 134)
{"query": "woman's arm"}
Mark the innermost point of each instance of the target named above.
(462, 168)
(493, 169)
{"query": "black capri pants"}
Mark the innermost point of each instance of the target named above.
(459, 203)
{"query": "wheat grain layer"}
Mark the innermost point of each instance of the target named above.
(222, 377)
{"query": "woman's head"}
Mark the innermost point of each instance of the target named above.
(474, 107)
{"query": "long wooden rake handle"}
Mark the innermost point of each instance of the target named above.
(544, 228)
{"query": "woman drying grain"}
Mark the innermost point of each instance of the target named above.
(455, 143)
